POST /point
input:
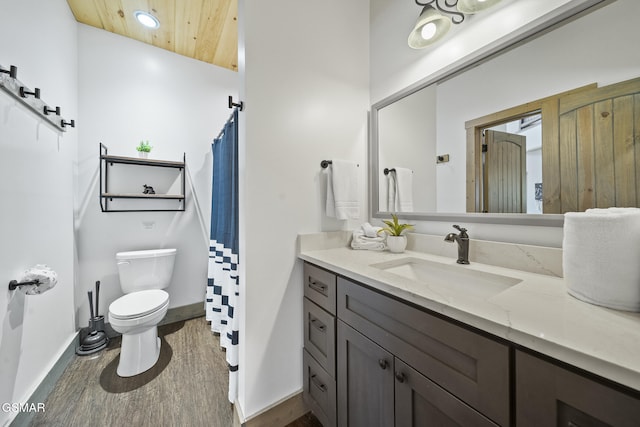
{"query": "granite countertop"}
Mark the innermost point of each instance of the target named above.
(536, 312)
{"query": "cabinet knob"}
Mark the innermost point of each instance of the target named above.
(317, 383)
(383, 363)
(400, 377)
(317, 286)
(318, 325)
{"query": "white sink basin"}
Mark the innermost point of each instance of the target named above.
(455, 277)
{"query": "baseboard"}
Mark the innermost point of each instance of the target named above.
(280, 414)
(40, 395)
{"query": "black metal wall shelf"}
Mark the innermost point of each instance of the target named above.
(107, 161)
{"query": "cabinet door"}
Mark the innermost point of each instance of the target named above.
(421, 402)
(470, 366)
(548, 395)
(365, 381)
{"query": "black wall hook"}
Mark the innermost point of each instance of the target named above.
(48, 110)
(12, 71)
(24, 92)
(233, 104)
(71, 123)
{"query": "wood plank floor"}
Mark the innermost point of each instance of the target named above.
(187, 387)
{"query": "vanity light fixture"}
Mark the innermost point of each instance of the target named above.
(146, 19)
(433, 24)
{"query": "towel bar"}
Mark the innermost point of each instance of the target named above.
(325, 164)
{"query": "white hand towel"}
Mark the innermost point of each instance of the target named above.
(601, 253)
(400, 190)
(342, 190)
(360, 241)
(392, 200)
(404, 189)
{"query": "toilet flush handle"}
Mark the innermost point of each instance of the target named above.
(123, 262)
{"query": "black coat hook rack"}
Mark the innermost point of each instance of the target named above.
(71, 123)
(24, 92)
(387, 170)
(31, 99)
(233, 104)
(48, 110)
(12, 71)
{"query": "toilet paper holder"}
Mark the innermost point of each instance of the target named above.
(14, 284)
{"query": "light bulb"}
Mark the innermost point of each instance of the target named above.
(146, 19)
(428, 31)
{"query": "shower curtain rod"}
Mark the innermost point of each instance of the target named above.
(225, 124)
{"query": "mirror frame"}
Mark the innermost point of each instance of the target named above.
(494, 50)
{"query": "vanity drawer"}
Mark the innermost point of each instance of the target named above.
(320, 336)
(319, 391)
(320, 287)
(470, 366)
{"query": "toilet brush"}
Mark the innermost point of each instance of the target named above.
(95, 340)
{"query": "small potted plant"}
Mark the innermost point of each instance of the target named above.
(143, 149)
(396, 240)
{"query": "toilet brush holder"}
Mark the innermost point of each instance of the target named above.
(96, 324)
(96, 339)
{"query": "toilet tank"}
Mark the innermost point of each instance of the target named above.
(141, 270)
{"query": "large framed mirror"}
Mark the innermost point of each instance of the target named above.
(430, 128)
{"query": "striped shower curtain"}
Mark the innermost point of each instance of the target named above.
(222, 285)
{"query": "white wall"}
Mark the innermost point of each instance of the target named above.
(306, 92)
(130, 91)
(37, 193)
(394, 65)
(407, 138)
(540, 68)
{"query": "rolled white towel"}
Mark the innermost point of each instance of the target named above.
(601, 257)
(360, 241)
(369, 230)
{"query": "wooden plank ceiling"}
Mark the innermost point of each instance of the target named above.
(206, 30)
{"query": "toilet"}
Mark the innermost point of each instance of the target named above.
(143, 276)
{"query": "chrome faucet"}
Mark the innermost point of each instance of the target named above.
(462, 240)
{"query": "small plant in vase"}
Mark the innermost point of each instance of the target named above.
(396, 240)
(143, 149)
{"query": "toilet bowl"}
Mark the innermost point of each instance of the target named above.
(143, 275)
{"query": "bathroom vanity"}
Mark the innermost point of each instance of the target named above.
(413, 339)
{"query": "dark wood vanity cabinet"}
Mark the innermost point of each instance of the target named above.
(373, 360)
(439, 370)
(550, 395)
(319, 354)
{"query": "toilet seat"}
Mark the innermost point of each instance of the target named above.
(138, 304)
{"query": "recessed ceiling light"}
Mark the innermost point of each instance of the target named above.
(146, 19)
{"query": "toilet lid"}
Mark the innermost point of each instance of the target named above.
(138, 304)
